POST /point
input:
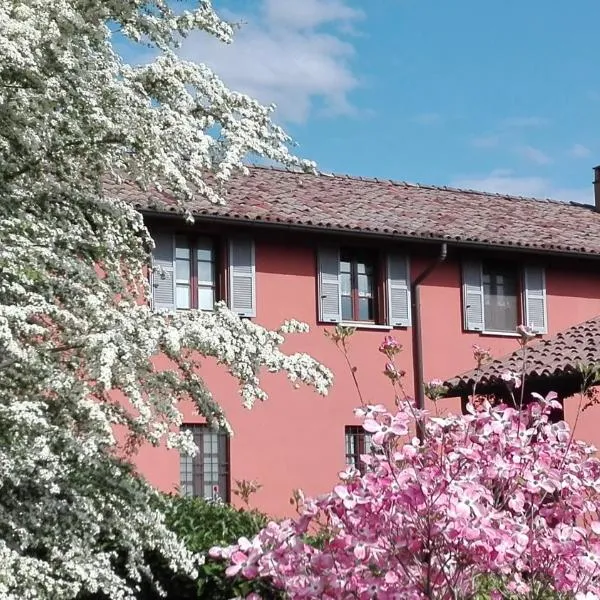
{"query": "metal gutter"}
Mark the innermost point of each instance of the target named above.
(378, 235)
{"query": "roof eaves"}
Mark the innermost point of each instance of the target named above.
(457, 241)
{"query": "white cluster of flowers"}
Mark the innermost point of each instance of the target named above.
(76, 345)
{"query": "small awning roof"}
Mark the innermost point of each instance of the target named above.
(549, 363)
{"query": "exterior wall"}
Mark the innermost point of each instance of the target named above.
(296, 438)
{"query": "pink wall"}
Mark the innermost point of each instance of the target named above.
(296, 438)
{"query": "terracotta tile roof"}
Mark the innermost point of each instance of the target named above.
(556, 356)
(399, 209)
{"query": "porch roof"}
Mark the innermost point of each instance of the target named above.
(550, 364)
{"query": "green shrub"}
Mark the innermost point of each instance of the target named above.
(202, 525)
(487, 584)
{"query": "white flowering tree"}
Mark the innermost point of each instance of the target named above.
(76, 343)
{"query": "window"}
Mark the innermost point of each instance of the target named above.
(192, 271)
(358, 442)
(363, 286)
(206, 474)
(499, 295)
(357, 282)
(195, 273)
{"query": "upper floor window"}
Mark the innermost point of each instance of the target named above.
(196, 271)
(206, 474)
(360, 286)
(499, 295)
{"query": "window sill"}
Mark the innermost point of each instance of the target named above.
(363, 325)
(507, 334)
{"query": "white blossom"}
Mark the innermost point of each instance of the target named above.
(77, 336)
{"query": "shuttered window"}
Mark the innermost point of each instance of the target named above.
(207, 474)
(361, 286)
(162, 278)
(189, 271)
(242, 277)
(499, 295)
(534, 299)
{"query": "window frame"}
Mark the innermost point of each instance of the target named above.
(520, 291)
(232, 277)
(361, 440)
(368, 258)
(391, 288)
(218, 266)
(532, 295)
(197, 464)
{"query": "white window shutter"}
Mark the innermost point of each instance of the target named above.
(242, 277)
(473, 296)
(398, 288)
(536, 312)
(162, 280)
(330, 304)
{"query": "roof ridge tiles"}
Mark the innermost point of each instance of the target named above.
(425, 186)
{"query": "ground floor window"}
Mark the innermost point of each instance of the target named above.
(358, 442)
(207, 474)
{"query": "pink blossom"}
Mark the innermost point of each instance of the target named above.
(237, 558)
(349, 499)
(497, 492)
(370, 410)
(390, 346)
(382, 431)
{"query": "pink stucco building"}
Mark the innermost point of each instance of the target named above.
(440, 269)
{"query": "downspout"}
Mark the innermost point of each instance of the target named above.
(417, 339)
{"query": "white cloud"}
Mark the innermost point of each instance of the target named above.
(283, 55)
(534, 155)
(503, 181)
(524, 122)
(308, 14)
(579, 151)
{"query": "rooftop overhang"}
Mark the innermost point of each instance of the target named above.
(564, 383)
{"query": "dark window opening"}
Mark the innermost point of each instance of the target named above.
(207, 474)
(358, 442)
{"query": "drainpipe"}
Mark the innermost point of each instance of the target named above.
(417, 339)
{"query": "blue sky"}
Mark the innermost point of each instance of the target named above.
(502, 96)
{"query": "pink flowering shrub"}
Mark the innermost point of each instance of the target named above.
(498, 494)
